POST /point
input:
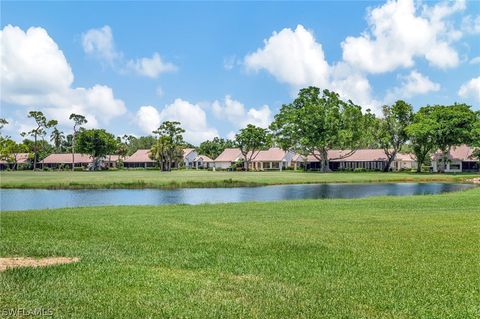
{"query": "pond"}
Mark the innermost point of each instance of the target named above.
(25, 199)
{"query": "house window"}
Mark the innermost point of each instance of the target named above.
(454, 166)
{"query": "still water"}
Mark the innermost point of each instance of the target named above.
(24, 199)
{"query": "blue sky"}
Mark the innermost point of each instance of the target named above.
(216, 66)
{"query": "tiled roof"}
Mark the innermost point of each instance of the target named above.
(362, 155)
(22, 158)
(66, 158)
(462, 153)
(273, 154)
(229, 155)
(140, 156)
(204, 158)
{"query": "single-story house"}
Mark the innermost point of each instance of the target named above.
(19, 158)
(202, 161)
(369, 159)
(57, 160)
(141, 158)
(273, 158)
(189, 155)
(459, 159)
(227, 158)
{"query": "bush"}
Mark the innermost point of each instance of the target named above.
(46, 169)
(78, 169)
(359, 170)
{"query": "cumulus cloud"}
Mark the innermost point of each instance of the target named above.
(191, 116)
(151, 67)
(412, 84)
(293, 57)
(471, 90)
(398, 33)
(100, 43)
(236, 113)
(35, 73)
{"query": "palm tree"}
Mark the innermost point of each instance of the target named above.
(57, 138)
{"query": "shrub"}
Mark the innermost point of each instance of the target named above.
(78, 169)
(359, 170)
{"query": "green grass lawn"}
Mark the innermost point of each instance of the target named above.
(198, 178)
(382, 257)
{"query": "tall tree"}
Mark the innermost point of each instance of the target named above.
(251, 140)
(97, 143)
(315, 123)
(391, 132)
(57, 137)
(3, 122)
(78, 121)
(476, 137)
(39, 131)
(213, 148)
(454, 126)
(421, 133)
(168, 148)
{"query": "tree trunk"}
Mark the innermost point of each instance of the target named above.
(389, 161)
(324, 163)
(35, 153)
(73, 151)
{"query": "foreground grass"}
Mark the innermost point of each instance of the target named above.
(384, 257)
(198, 178)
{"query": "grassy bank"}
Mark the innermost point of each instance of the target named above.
(194, 178)
(385, 257)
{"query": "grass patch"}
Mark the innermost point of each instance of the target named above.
(194, 178)
(382, 257)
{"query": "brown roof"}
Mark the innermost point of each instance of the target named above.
(204, 158)
(140, 156)
(22, 158)
(66, 158)
(362, 155)
(461, 153)
(229, 155)
(273, 154)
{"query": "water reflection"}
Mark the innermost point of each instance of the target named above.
(23, 199)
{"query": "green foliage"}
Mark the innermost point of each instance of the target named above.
(391, 131)
(97, 143)
(40, 131)
(251, 140)
(9, 150)
(214, 147)
(168, 148)
(315, 123)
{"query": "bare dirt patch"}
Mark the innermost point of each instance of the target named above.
(14, 262)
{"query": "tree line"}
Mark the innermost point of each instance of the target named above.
(314, 123)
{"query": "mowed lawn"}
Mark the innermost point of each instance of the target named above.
(199, 178)
(382, 257)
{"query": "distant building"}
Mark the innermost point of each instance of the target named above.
(139, 159)
(19, 158)
(369, 159)
(202, 161)
(189, 155)
(459, 159)
(227, 158)
(272, 159)
(81, 160)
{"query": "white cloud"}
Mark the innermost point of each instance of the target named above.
(236, 113)
(230, 62)
(398, 33)
(292, 57)
(471, 25)
(191, 116)
(99, 42)
(148, 118)
(471, 89)
(151, 67)
(412, 84)
(35, 73)
(475, 60)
